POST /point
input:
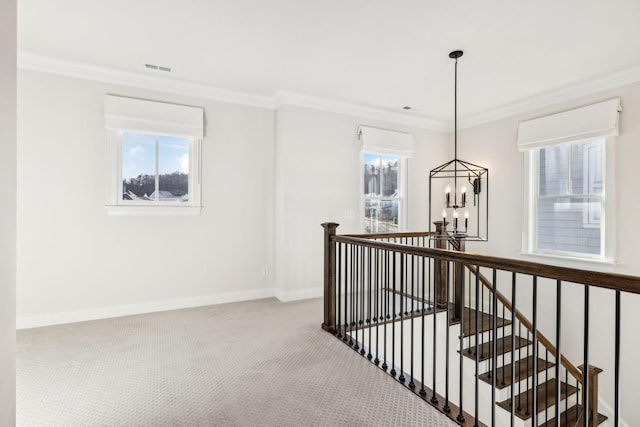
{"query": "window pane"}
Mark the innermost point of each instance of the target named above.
(138, 166)
(587, 167)
(381, 175)
(372, 174)
(569, 225)
(390, 176)
(173, 169)
(381, 216)
(553, 171)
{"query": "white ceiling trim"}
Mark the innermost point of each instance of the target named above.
(307, 101)
(67, 68)
(79, 70)
(607, 82)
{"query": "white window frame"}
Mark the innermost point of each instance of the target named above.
(583, 124)
(117, 206)
(606, 260)
(402, 190)
(158, 119)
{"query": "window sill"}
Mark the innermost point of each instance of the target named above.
(118, 210)
(604, 266)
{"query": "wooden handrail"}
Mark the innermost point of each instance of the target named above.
(546, 343)
(392, 235)
(618, 282)
(575, 372)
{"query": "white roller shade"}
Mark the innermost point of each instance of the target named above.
(139, 115)
(386, 141)
(594, 121)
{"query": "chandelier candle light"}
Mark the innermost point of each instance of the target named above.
(454, 176)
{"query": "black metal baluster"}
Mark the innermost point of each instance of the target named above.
(526, 411)
(393, 319)
(566, 412)
(370, 299)
(346, 291)
(585, 370)
(376, 314)
(352, 297)
(339, 290)
(363, 314)
(446, 407)
(357, 296)
(519, 358)
(469, 321)
(534, 404)
(434, 396)
(386, 309)
(460, 417)
(477, 340)
(513, 350)
(403, 299)
(546, 383)
(412, 384)
(616, 400)
(482, 336)
(494, 347)
(558, 349)
(425, 280)
(503, 383)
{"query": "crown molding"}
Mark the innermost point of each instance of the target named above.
(568, 93)
(79, 70)
(84, 71)
(282, 98)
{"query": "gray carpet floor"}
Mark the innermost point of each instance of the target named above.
(256, 363)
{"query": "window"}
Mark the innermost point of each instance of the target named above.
(154, 157)
(569, 198)
(383, 196)
(154, 168)
(383, 165)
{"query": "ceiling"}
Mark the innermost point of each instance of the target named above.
(374, 53)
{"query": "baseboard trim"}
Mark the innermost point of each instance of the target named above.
(605, 409)
(299, 294)
(49, 319)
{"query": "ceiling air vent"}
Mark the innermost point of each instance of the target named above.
(158, 68)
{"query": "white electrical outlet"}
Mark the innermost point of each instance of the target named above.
(349, 214)
(265, 271)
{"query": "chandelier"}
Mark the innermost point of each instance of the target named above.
(459, 190)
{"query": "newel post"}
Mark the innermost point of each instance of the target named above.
(329, 277)
(592, 394)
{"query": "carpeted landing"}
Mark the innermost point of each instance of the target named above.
(256, 363)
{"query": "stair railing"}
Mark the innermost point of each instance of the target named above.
(379, 287)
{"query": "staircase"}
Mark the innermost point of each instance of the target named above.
(515, 369)
(402, 305)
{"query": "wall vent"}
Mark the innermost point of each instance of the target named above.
(158, 68)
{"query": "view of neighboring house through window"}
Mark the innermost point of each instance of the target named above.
(154, 168)
(570, 198)
(383, 196)
(570, 184)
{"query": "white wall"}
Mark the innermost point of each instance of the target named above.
(7, 212)
(494, 145)
(76, 262)
(317, 180)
